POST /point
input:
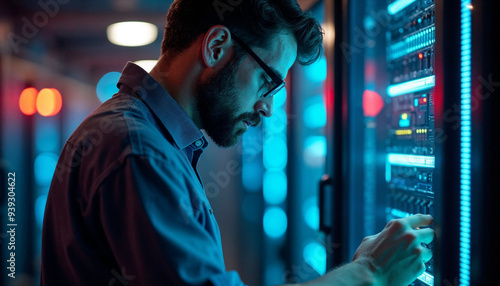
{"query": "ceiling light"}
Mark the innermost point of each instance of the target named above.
(146, 65)
(132, 34)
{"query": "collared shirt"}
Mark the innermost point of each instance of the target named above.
(126, 205)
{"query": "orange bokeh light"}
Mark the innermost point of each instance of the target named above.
(49, 102)
(27, 101)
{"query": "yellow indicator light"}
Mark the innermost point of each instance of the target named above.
(403, 132)
(404, 116)
(420, 131)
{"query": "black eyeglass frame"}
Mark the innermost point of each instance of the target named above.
(280, 83)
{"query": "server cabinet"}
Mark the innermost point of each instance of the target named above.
(409, 87)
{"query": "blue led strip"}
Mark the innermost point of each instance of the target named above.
(411, 86)
(465, 142)
(398, 5)
(408, 160)
(412, 43)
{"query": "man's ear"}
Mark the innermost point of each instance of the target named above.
(216, 45)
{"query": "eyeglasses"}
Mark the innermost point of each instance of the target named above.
(278, 82)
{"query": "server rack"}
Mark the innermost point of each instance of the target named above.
(411, 104)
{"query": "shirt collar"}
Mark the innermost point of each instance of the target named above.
(167, 110)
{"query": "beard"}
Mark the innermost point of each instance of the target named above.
(218, 102)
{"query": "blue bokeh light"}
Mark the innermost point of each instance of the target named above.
(315, 255)
(275, 187)
(310, 212)
(315, 115)
(315, 150)
(316, 72)
(106, 86)
(275, 222)
(45, 165)
(275, 153)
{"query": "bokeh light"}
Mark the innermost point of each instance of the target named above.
(49, 102)
(316, 72)
(372, 103)
(132, 33)
(315, 115)
(315, 151)
(27, 101)
(315, 255)
(275, 187)
(310, 212)
(275, 153)
(45, 165)
(106, 86)
(275, 222)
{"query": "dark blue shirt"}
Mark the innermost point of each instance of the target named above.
(126, 205)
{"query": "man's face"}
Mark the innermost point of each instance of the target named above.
(231, 99)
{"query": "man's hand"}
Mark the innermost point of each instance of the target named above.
(396, 254)
(394, 257)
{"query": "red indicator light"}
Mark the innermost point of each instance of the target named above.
(420, 55)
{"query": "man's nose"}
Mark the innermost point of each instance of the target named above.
(265, 106)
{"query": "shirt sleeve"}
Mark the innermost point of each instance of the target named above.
(153, 222)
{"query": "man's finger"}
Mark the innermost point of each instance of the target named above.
(426, 254)
(417, 220)
(425, 235)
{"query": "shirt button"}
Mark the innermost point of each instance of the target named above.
(198, 143)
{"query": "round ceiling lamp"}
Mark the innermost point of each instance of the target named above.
(132, 33)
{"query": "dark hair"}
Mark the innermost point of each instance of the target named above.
(256, 22)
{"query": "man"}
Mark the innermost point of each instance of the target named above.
(126, 205)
